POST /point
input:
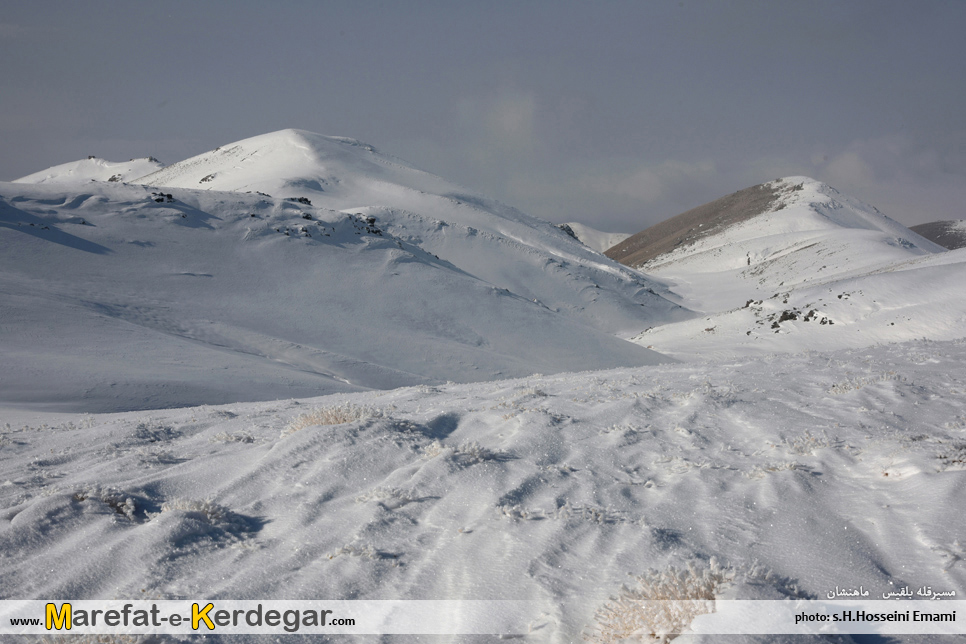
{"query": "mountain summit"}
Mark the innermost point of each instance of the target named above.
(297, 163)
(784, 233)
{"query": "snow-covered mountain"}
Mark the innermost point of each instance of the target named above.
(488, 240)
(792, 232)
(351, 276)
(794, 264)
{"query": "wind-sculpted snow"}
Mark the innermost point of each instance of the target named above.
(754, 478)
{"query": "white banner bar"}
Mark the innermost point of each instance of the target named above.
(476, 617)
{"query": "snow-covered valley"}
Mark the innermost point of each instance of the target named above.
(295, 368)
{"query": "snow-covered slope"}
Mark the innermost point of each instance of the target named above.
(493, 242)
(918, 298)
(122, 296)
(78, 173)
(799, 474)
(596, 239)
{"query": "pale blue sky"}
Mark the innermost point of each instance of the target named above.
(615, 114)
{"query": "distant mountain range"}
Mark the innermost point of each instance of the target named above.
(294, 264)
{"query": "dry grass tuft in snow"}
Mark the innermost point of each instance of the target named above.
(209, 511)
(853, 384)
(118, 501)
(662, 606)
(465, 454)
(807, 443)
(332, 415)
(953, 458)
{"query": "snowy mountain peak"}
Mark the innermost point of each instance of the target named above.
(757, 222)
(816, 206)
(294, 163)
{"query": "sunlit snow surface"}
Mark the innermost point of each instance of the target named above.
(830, 469)
(80, 173)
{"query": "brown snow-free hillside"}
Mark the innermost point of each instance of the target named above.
(694, 224)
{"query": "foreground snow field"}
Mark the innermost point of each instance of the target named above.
(822, 469)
